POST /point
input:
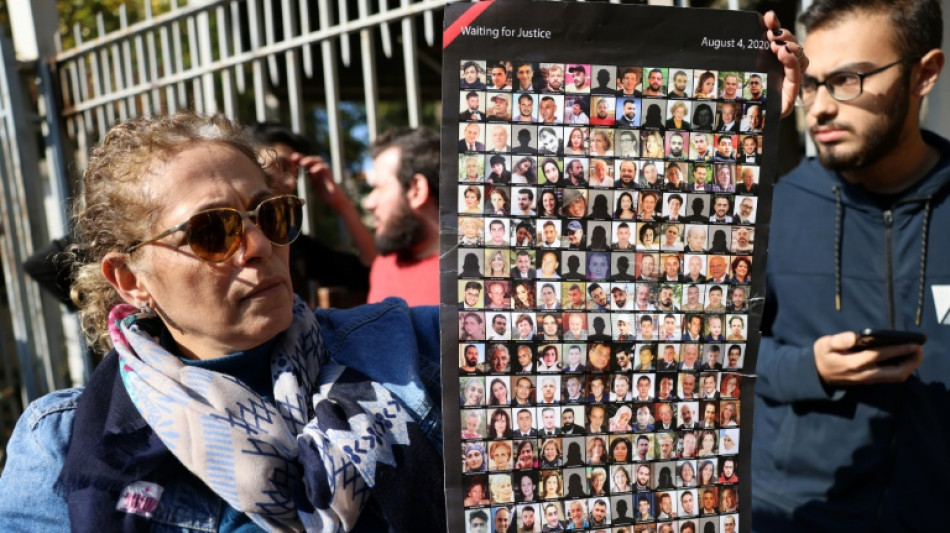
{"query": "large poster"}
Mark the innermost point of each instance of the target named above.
(606, 185)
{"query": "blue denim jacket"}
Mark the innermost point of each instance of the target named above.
(388, 342)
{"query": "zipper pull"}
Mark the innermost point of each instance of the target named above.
(888, 218)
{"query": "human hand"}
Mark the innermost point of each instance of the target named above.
(321, 177)
(792, 56)
(838, 365)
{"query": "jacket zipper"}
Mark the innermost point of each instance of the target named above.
(888, 265)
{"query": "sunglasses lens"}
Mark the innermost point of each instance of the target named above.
(216, 234)
(279, 219)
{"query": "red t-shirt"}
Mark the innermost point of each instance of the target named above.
(417, 282)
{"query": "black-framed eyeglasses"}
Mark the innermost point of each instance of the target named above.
(214, 235)
(842, 86)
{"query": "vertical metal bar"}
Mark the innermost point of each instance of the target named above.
(368, 64)
(168, 68)
(257, 67)
(428, 25)
(306, 51)
(204, 40)
(331, 87)
(97, 91)
(105, 72)
(269, 25)
(384, 34)
(238, 44)
(344, 38)
(126, 73)
(411, 68)
(224, 52)
(152, 60)
(19, 191)
(178, 56)
(294, 88)
(195, 63)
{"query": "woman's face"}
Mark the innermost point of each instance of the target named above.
(548, 203)
(650, 174)
(706, 473)
(524, 166)
(476, 492)
(497, 263)
(626, 202)
(474, 394)
(643, 416)
(500, 424)
(522, 294)
(473, 459)
(471, 199)
(470, 228)
(727, 410)
(708, 85)
(550, 451)
(727, 443)
(578, 208)
(623, 418)
(504, 490)
(501, 455)
(708, 442)
(620, 478)
(597, 449)
(550, 487)
(648, 203)
(552, 173)
(597, 482)
(598, 144)
(500, 392)
(577, 140)
(497, 201)
(647, 238)
(621, 451)
(527, 488)
(679, 112)
(686, 472)
(742, 269)
(651, 144)
(249, 297)
(471, 168)
(471, 423)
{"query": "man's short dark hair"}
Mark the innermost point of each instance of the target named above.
(529, 192)
(478, 514)
(592, 287)
(646, 318)
(526, 96)
(496, 159)
(271, 133)
(918, 24)
(471, 94)
(473, 285)
(675, 197)
(419, 150)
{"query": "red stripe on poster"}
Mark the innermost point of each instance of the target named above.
(467, 18)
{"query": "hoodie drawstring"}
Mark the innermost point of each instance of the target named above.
(923, 262)
(921, 284)
(839, 215)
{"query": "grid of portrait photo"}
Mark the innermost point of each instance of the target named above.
(606, 227)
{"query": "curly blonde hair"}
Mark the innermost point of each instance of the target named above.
(116, 208)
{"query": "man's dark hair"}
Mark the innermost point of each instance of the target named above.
(478, 514)
(419, 150)
(473, 285)
(918, 24)
(273, 132)
(529, 192)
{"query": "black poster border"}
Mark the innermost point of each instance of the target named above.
(602, 34)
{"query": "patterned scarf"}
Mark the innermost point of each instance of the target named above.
(256, 455)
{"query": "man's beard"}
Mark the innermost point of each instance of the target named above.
(404, 232)
(877, 139)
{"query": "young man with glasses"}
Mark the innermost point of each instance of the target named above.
(855, 244)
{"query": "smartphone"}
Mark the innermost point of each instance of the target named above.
(876, 338)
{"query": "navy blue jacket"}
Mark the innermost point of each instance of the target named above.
(868, 457)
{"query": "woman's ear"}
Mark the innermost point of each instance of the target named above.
(118, 272)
